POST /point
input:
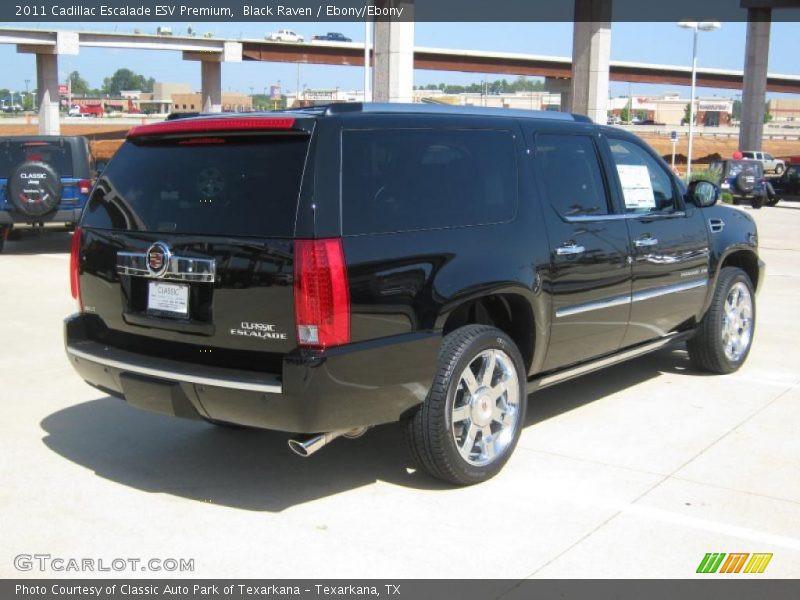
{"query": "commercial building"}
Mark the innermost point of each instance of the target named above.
(784, 109)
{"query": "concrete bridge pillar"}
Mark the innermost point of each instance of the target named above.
(591, 55)
(47, 97)
(211, 73)
(754, 91)
(393, 75)
(562, 86)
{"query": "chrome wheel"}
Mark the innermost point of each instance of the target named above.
(737, 322)
(486, 407)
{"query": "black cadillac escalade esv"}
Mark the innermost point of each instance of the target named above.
(325, 270)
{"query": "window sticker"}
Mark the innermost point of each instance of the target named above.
(636, 187)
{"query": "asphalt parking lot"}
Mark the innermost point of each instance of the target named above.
(636, 471)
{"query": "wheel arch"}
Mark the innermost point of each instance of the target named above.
(515, 311)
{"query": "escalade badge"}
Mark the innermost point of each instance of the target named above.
(158, 256)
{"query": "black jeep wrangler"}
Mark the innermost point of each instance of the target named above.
(326, 270)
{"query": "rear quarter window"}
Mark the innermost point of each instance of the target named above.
(397, 180)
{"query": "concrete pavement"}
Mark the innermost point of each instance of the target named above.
(636, 471)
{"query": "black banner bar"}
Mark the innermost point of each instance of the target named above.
(419, 589)
(287, 11)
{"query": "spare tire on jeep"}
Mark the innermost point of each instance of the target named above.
(745, 182)
(34, 188)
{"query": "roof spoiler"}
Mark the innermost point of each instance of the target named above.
(181, 127)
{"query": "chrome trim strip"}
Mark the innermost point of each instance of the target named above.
(179, 268)
(596, 305)
(669, 289)
(627, 298)
(269, 388)
(624, 217)
(608, 361)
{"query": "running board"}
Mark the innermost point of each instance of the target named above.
(553, 378)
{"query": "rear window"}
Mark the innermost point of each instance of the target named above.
(223, 186)
(749, 167)
(414, 179)
(14, 153)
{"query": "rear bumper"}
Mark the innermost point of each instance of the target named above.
(357, 385)
(66, 215)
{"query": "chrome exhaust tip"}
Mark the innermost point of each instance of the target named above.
(307, 446)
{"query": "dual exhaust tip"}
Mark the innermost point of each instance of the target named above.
(308, 445)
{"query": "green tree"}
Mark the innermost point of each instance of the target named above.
(125, 79)
(687, 113)
(767, 114)
(625, 114)
(80, 87)
(736, 111)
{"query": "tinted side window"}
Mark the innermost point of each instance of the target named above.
(570, 172)
(646, 186)
(412, 179)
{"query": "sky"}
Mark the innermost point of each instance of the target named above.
(661, 43)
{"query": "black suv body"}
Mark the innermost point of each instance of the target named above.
(43, 179)
(326, 270)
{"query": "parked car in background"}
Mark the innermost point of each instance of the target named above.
(787, 186)
(284, 35)
(769, 163)
(743, 179)
(331, 36)
(325, 270)
(43, 179)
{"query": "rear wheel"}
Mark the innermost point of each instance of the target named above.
(472, 418)
(779, 169)
(725, 334)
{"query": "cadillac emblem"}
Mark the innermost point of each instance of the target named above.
(158, 256)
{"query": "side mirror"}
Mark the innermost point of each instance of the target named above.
(703, 193)
(99, 167)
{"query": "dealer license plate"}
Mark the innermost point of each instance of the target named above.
(168, 298)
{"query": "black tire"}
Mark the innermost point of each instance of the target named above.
(706, 349)
(34, 188)
(779, 169)
(430, 432)
(757, 201)
(743, 185)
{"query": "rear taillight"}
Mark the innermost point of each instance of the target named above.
(321, 294)
(84, 186)
(74, 267)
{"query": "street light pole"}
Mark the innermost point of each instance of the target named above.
(696, 27)
(366, 61)
(691, 104)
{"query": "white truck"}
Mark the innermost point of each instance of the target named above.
(769, 162)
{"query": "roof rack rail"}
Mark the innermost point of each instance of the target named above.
(338, 108)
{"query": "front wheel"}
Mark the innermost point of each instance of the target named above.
(779, 169)
(725, 335)
(471, 420)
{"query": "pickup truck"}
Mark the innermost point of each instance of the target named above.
(769, 162)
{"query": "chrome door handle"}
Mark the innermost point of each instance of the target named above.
(569, 249)
(644, 242)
